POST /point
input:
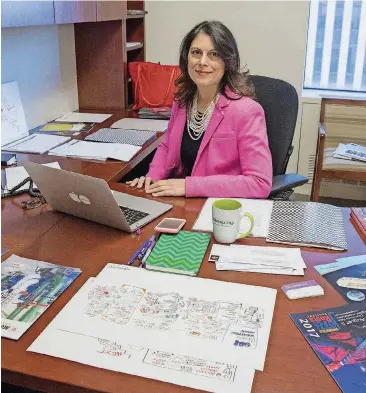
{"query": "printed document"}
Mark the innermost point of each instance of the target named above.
(272, 260)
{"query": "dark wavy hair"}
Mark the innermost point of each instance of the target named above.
(225, 44)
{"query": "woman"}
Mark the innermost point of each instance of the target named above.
(216, 144)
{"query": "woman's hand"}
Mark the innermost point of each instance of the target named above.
(170, 187)
(140, 181)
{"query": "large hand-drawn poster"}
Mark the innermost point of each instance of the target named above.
(221, 321)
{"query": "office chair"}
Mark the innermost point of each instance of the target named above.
(280, 103)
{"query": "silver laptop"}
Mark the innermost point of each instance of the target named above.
(91, 198)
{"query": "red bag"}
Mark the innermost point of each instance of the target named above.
(153, 84)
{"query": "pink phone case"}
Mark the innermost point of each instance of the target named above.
(170, 230)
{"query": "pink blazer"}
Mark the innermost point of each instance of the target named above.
(233, 160)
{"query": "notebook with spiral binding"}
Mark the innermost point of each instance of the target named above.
(307, 224)
(121, 135)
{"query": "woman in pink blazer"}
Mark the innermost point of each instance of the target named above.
(216, 144)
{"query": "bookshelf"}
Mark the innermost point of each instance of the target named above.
(104, 49)
(102, 29)
(135, 33)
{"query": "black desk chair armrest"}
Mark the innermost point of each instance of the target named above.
(286, 182)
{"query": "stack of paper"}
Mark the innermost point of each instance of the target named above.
(272, 260)
(260, 209)
(96, 150)
(204, 334)
(351, 151)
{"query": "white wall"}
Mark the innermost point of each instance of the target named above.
(271, 36)
(42, 60)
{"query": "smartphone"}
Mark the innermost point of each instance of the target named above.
(170, 225)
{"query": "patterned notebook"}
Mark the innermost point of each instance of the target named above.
(307, 224)
(182, 253)
(120, 135)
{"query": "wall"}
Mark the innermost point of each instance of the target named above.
(42, 60)
(271, 36)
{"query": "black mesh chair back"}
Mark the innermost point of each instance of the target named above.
(280, 103)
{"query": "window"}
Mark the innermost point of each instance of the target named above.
(336, 46)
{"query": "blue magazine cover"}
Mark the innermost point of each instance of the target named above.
(28, 288)
(348, 277)
(338, 337)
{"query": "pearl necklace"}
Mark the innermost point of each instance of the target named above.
(197, 122)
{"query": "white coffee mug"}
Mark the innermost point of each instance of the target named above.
(226, 217)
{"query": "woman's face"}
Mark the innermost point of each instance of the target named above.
(205, 67)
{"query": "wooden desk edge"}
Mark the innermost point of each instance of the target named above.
(39, 384)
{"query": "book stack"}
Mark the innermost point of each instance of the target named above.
(358, 219)
(155, 113)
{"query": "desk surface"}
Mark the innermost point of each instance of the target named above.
(21, 228)
(51, 236)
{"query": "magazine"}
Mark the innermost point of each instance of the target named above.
(338, 337)
(347, 276)
(28, 288)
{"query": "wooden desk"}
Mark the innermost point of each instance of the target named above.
(290, 364)
(21, 228)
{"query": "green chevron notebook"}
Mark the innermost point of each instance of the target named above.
(181, 253)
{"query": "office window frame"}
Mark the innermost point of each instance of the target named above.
(335, 60)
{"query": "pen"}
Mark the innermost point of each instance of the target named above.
(136, 254)
(148, 252)
(145, 247)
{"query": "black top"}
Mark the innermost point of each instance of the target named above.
(188, 151)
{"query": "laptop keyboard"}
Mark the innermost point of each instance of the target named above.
(132, 215)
